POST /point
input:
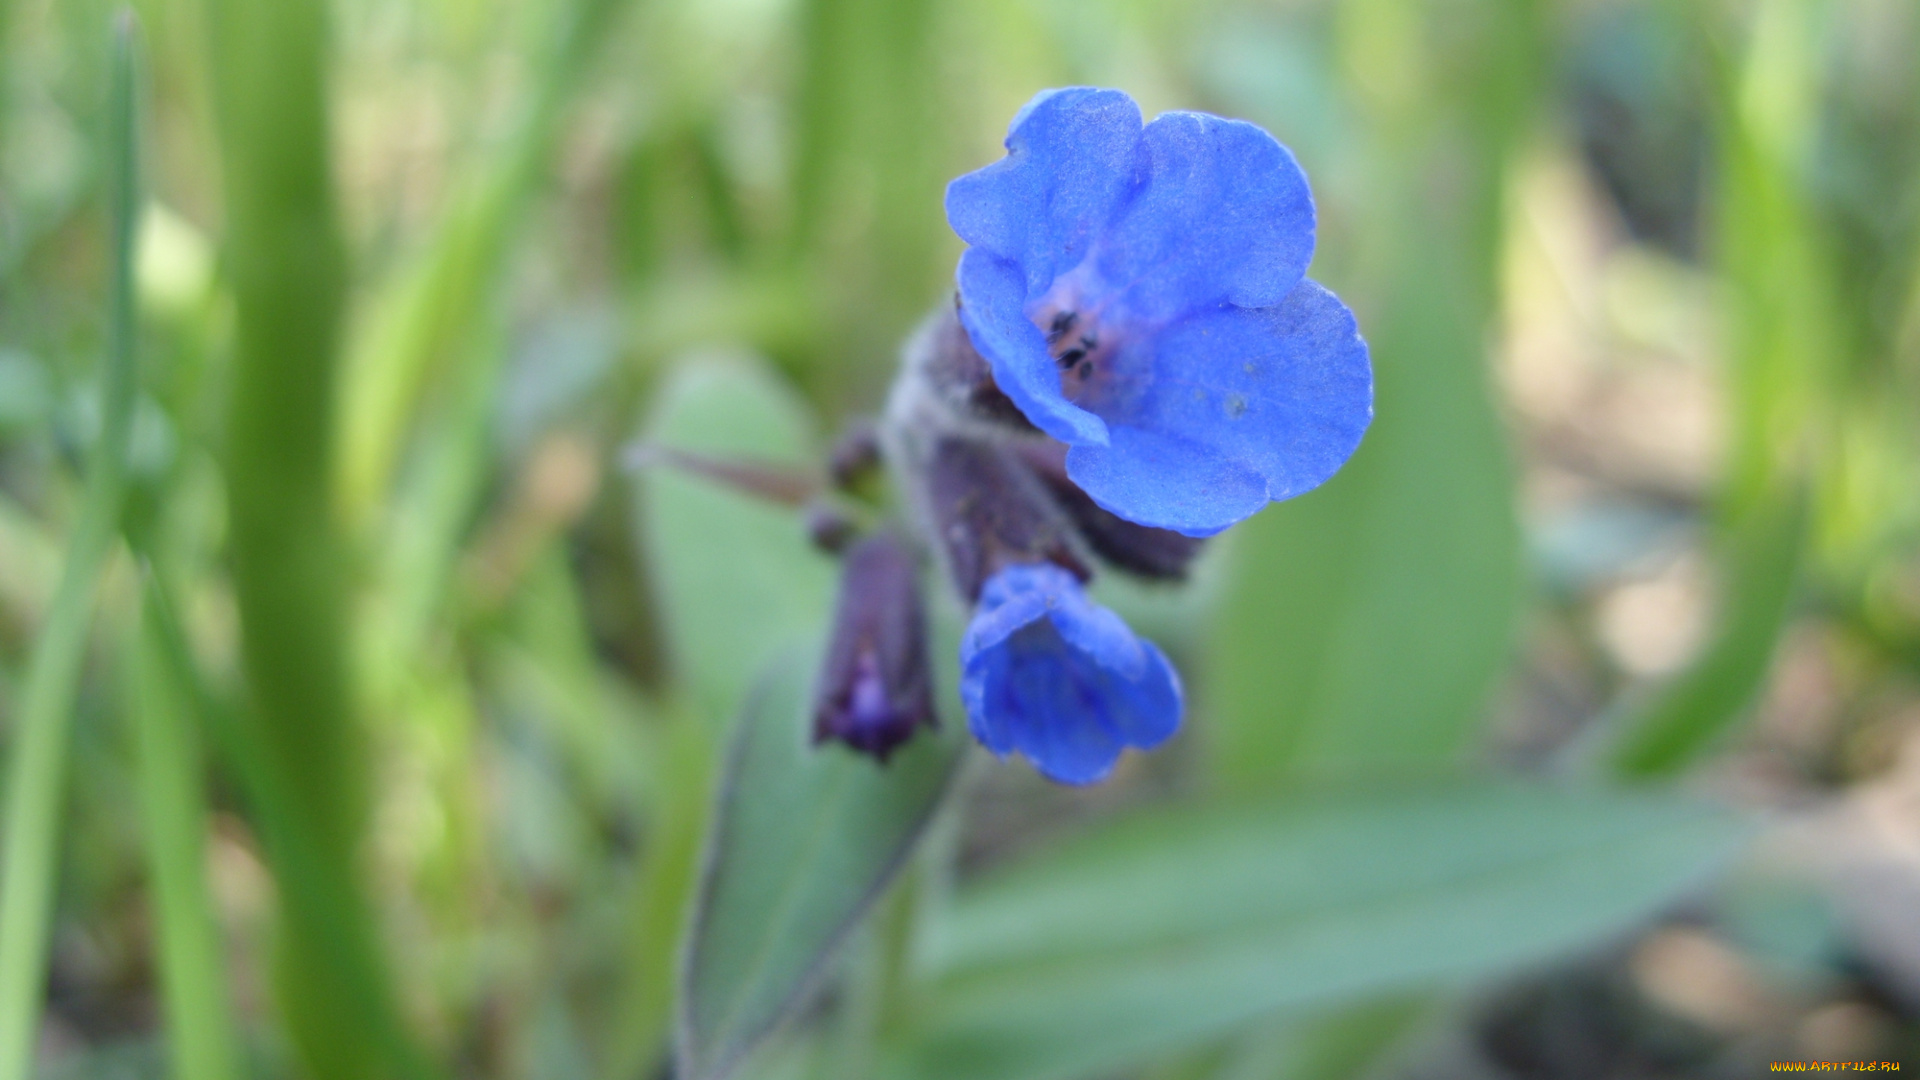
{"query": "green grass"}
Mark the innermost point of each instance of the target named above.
(38, 759)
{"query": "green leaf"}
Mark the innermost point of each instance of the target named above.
(804, 840)
(1171, 927)
(737, 582)
(736, 577)
(1342, 1044)
(1365, 621)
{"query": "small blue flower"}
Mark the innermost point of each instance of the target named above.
(1140, 294)
(1051, 674)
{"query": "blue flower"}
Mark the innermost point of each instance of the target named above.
(1051, 674)
(1140, 294)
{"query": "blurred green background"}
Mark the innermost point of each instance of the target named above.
(363, 714)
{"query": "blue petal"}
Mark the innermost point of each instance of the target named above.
(1072, 157)
(993, 309)
(1050, 674)
(1236, 407)
(1224, 215)
(1012, 598)
(1102, 636)
(1167, 482)
(1010, 695)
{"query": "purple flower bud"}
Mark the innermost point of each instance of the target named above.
(1137, 549)
(855, 454)
(876, 687)
(990, 513)
(828, 526)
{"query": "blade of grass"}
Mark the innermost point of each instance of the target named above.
(298, 863)
(643, 1003)
(432, 511)
(443, 313)
(287, 273)
(449, 470)
(439, 296)
(1685, 720)
(1782, 349)
(200, 1032)
(38, 765)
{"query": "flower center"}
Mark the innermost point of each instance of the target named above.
(1088, 335)
(1084, 350)
(1071, 343)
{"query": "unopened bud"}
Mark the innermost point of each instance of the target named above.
(1137, 549)
(991, 513)
(855, 454)
(828, 526)
(876, 688)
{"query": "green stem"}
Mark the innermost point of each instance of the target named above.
(287, 271)
(38, 766)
